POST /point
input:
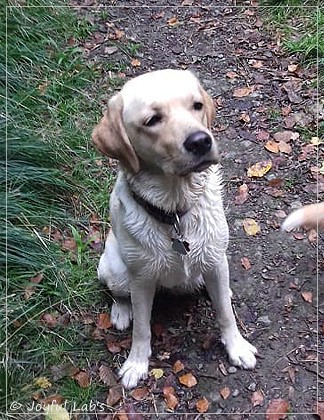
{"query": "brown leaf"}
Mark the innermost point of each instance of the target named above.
(307, 151)
(139, 394)
(225, 392)
(245, 117)
(259, 169)
(136, 62)
(49, 320)
(292, 68)
(69, 244)
(106, 376)
(104, 322)
(113, 347)
(202, 405)
(30, 289)
(246, 263)
(178, 366)
(251, 227)
(286, 136)
(256, 64)
(277, 409)
(242, 92)
(272, 146)
(307, 296)
(257, 398)
(52, 399)
(286, 111)
(118, 34)
(243, 194)
(263, 135)
(173, 21)
(170, 397)
(284, 147)
(188, 380)
(114, 395)
(231, 74)
(82, 378)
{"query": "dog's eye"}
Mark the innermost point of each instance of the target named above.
(198, 106)
(153, 120)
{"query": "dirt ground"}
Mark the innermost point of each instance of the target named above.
(276, 299)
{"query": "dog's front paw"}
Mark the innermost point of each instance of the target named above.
(121, 314)
(240, 352)
(132, 372)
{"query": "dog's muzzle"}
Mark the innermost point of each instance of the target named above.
(198, 143)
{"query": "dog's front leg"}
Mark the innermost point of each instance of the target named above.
(136, 365)
(241, 352)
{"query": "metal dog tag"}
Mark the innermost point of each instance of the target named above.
(180, 246)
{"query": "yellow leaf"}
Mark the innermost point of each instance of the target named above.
(173, 21)
(157, 373)
(259, 169)
(42, 382)
(251, 227)
(316, 141)
(56, 412)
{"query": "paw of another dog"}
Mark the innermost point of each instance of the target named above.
(132, 372)
(240, 352)
(121, 315)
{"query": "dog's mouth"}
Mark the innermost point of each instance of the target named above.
(199, 167)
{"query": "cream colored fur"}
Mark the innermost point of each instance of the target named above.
(310, 217)
(138, 258)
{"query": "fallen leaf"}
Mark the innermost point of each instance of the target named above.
(246, 263)
(170, 397)
(307, 296)
(139, 394)
(259, 169)
(272, 146)
(284, 147)
(251, 227)
(243, 194)
(104, 322)
(225, 392)
(256, 64)
(178, 366)
(106, 376)
(307, 151)
(136, 62)
(42, 382)
(114, 395)
(316, 141)
(286, 136)
(277, 409)
(118, 34)
(286, 111)
(157, 373)
(52, 399)
(263, 135)
(231, 74)
(281, 214)
(69, 244)
(202, 405)
(245, 117)
(49, 320)
(188, 380)
(113, 347)
(292, 67)
(82, 379)
(257, 398)
(30, 289)
(56, 412)
(110, 50)
(242, 92)
(173, 21)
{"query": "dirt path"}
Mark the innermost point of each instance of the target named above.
(229, 48)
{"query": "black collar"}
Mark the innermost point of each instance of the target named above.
(169, 218)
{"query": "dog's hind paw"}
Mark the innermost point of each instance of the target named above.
(133, 372)
(121, 314)
(240, 352)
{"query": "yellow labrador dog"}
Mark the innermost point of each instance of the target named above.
(168, 224)
(311, 217)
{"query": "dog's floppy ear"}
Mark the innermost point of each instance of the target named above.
(210, 108)
(110, 137)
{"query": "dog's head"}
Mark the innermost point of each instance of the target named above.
(159, 122)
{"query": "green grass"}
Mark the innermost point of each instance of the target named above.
(54, 181)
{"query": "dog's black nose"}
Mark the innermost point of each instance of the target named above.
(198, 143)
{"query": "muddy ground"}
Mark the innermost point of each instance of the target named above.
(230, 48)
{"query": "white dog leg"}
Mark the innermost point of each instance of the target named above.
(136, 366)
(241, 352)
